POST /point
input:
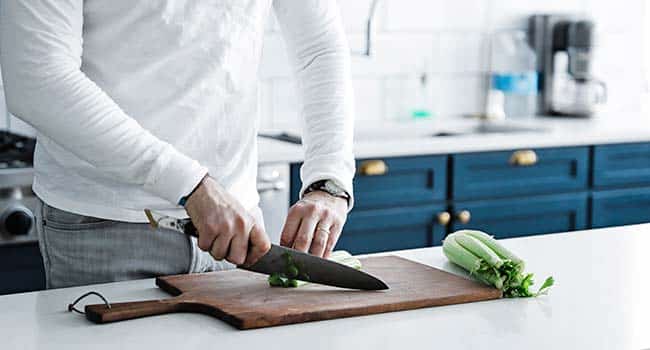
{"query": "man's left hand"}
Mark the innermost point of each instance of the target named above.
(314, 223)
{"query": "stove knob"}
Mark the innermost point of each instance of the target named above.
(17, 220)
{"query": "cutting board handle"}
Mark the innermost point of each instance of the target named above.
(100, 313)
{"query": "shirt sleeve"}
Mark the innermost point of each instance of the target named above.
(40, 53)
(320, 55)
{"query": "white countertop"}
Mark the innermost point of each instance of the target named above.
(601, 301)
(413, 138)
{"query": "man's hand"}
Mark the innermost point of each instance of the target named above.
(225, 228)
(314, 223)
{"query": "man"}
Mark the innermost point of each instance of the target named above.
(152, 104)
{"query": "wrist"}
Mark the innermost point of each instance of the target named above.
(329, 187)
(185, 199)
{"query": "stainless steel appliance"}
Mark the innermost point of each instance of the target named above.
(273, 187)
(21, 265)
(17, 201)
(564, 48)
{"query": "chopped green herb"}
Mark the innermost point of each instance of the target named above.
(293, 276)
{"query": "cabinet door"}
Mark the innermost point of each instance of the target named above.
(385, 182)
(622, 165)
(620, 207)
(21, 268)
(377, 230)
(520, 172)
(523, 216)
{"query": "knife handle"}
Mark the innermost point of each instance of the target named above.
(188, 228)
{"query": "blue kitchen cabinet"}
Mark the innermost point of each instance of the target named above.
(621, 165)
(392, 181)
(519, 172)
(376, 230)
(523, 216)
(21, 268)
(620, 207)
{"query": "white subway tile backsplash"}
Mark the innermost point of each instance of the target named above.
(448, 40)
(457, 95)
(403, 94)
(367, 97)
(617, 16)
(428, 15)
(461, 52)
(394, 54)
(355, 14)
(509, 14)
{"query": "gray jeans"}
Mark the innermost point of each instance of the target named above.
(80, 250)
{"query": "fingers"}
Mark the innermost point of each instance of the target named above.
(332, 239)
(303, 239)
(291, 226)
(239, 244)
(320, 238)
(221, 245)
(260, 245)
(207, 234)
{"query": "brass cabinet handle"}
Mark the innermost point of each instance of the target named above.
(526, 157)
(444, 218)
(373, 167)
(464, 216)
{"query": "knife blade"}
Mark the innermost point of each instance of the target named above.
(312, 268)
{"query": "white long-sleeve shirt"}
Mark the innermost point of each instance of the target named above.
(135, 100)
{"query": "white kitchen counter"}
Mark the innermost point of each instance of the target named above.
(413, 138)
(601, 301)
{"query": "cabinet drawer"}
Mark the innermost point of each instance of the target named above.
(376, 230)
(511, 173)
(620, 207)
(525, 216)
(392, 181)
(620, 165)
(21, 269)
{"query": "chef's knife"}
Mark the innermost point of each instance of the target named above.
(317, 270)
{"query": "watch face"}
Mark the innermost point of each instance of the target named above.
(332, 188)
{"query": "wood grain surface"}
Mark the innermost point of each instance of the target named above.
(245, 300)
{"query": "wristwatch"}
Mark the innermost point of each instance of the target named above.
(329, 187)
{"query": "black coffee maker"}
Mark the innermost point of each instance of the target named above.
(564, 48)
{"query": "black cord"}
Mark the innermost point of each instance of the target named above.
(71, 307)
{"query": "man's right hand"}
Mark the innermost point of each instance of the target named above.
(225, 228)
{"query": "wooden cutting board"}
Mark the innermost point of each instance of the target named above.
(245, 300)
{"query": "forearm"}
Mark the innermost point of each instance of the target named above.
(320, 54)
(41, 60)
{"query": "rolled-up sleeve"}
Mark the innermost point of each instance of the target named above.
(40, 54)
(320, 54)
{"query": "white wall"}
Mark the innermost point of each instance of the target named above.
(448, 38)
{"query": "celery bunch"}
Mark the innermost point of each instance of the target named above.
(491, 263)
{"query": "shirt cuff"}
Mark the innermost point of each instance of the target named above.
(174, 175)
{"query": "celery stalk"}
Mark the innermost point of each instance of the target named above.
(494, 245)
(478, 248)
(489, 262)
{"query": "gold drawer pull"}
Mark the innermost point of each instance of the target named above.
(464, 216)
(524, 158)
(373, 168)
(444, 218)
